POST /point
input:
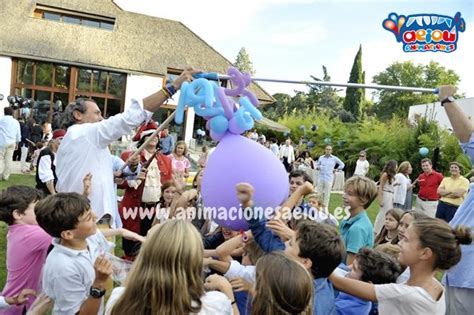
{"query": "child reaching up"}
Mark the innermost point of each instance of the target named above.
(316, 246)
(428, 245)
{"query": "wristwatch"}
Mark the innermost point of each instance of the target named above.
(96, 293)
(448, 99)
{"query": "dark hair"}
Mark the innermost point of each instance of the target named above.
(254, 251)
(322, 245)
(8, 111)
(18, 198)
(300, 173)
(165, 186)
(426, 160)
(397, 214)
(67, 118)
(61, 212)
(443, 240)
(377, 267)
(391, 169)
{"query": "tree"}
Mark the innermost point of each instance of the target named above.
(355, 96)
(409, 74)
(243, 63)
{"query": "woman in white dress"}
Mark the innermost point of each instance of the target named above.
(402, 196)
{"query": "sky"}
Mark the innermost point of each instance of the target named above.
(293, 39)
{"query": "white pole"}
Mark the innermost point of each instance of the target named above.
(354, 85)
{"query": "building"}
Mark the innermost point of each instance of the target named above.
(63, 49)
(437, 113)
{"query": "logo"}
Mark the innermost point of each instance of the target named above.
(426, 32)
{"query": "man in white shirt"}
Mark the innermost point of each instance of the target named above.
(362, 165)
(85, 150)
(10, 136)
(287, 155)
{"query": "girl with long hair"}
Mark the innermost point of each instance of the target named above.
(166, 277)
(385, 193)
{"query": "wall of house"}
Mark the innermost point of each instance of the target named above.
(5, 79)
(437, 112)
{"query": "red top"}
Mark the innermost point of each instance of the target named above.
(429, 185)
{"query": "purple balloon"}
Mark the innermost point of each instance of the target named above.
(235, 160)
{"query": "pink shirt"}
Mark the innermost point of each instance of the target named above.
(27, 246)
(179, 165)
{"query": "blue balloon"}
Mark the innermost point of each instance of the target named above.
(219, 124)
(423, 151)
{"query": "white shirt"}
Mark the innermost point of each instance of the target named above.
(84, 150)
(403, 299)
(362, 167)
(213, 302)
(288, 152)
(68, 274)
(45, 172)
(275, 149)
(9, 131)
(400, 190)
(237, 270)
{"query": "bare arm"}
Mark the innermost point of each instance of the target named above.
(154, 101)
(462, 126)
(350, 258)
(225, 250)
(220, 266)
(360, 289)
(294, 199)
(383, 180)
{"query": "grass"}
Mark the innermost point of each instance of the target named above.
(29, 180)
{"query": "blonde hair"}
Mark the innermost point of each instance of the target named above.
(166, 277)
(403, 167)
(364, 188)
(283, 286)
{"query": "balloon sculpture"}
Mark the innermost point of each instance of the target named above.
(236, 159)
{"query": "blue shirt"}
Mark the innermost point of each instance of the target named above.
(326, 167)
(468, 148)
(347, 304)
(462, 274)
(166, 144)
(9, 131)
(357, 232)
(323, 297)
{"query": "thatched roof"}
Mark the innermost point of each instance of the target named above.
(138, 43)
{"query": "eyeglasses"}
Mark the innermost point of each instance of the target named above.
(361, 155)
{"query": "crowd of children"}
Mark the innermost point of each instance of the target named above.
(312, 264)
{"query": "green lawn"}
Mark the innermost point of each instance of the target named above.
(336, 201)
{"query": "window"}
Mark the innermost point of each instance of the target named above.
(52, 82)
(73, 17)
(106, 88)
